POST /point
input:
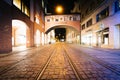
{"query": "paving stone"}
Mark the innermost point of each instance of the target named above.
(59, 67)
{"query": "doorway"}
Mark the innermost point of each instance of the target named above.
(117, 37)
(19, 33)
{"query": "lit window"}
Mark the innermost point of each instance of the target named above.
(26, 11)
(17, 3)
(23, 6)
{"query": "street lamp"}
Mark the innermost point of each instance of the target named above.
(59, 9)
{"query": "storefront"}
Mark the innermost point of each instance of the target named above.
(103, 37)
(117, 36)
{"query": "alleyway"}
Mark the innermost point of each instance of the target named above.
(61, 61)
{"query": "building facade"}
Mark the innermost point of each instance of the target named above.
(100, 25)
(21, 21)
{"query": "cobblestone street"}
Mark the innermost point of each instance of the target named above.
(61, 61)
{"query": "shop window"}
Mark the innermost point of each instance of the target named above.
(103, 14)
(117, 6)
(105, 39)
(106, 36)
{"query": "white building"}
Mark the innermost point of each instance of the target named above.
(101, 28)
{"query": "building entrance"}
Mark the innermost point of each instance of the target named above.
(19, 31)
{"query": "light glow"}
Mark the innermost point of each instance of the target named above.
(59, 9)
(18, 33)
(17, 3)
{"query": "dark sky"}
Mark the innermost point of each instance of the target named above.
(67, 5)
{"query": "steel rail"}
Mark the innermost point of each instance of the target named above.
(101, 62)
(69, 61)
(73, 65)
(11, 66)
(45, 66)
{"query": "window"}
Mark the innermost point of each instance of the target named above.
(117, 5)
(74, 18)
(103, 14)
(23, 5)
(89, 22)
(70, 18)
(56, 19)
(83, 26)
(106, 36)
(17, 3)
(48, 20)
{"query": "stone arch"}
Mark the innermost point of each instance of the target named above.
(61, 26)
(72, 34)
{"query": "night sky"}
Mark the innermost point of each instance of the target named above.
(67, 5)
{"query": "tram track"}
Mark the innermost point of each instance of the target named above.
(14, 64)
(73, 66)
(104, 64)
(60, 63)
(99, 61)
(70, 62)
(45, 66)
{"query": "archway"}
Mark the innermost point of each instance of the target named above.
(71, 34)
(20, 33)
